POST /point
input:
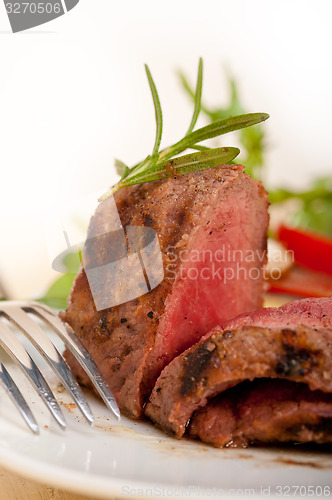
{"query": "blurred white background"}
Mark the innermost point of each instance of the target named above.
(74, 95)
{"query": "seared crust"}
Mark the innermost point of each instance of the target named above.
(226, 358)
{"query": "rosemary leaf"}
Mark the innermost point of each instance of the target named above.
(199, 147)
(162, 164)
(121, 168)
(158, 112)
(213, 130)
(141, 165)
(252, 139)
(182, 165)
(185, 84)
(197, 97)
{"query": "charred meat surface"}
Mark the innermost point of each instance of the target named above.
(265, 411)
(226, 358)
(201, 219)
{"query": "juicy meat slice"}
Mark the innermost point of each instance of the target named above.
(202, 220)
(264, 411)
(225, 358)
(311, 312)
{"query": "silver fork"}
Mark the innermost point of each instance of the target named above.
(23, 316)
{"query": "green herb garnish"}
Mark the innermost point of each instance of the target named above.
(252, 139)
(165, 163)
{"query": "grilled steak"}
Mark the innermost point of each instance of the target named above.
(271, 410)
(265, 411)
(224, 358)
(201, 219)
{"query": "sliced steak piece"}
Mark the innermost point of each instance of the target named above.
(312, 312)
(265, 411)
(225, 358)
(212, 229)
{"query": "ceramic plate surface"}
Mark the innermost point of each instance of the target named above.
(133, 459)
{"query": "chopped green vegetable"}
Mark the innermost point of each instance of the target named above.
(315, 212)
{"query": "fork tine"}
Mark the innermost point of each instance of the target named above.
(17, 352)
(79, 351)
(16, 396)
(40, 340)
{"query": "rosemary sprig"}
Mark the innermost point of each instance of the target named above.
(197, 97)
(159, 115)
(252, 140)
(162, 164)
(121, 168)
(183, 165)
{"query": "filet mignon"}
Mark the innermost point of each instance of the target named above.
(265, 411)
(269, 411)
(212, 228)
(223, 359)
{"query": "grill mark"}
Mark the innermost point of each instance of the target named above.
(195, 363)
(296, 360)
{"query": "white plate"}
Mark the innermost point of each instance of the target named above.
(133, 459)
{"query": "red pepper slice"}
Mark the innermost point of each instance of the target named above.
(310, 249)
(303, 282)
